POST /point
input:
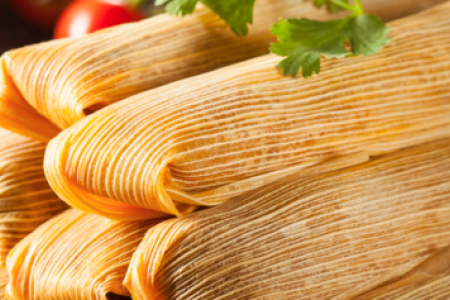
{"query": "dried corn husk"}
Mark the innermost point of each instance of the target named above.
(74, 256)
(429, 280)
(438, 289)
(26, 200)
(208, 138)
(366, 232)
(62, 81)
(3, 282)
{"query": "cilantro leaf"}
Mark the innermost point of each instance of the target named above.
(185, 7)
(332, 7)
(237, 13)
(368, 35)
(303, 42)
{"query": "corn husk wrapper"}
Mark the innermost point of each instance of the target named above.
(375, 231)
(436, 290)
(3, 282)
(205, 139)
(429, 280)
(53, 85)
(74, 256)
(26, 200)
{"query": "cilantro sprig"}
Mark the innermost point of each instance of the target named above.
(332, 7)
(303, 42)
(237, 13)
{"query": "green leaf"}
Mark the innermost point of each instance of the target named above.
(237, 13)
(320, 3)
(303, 42)
(185, 7)
(333, 8)
(368, 35)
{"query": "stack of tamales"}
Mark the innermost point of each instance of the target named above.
(194, 174)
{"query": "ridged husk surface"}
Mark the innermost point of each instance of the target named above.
(208, 138)
(4, 278)
(74, 256)
(380, 230)
(53, 85)
(26, 199)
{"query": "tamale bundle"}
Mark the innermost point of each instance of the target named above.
(3, 282)
(429, 280)
(74, 256)
(26, 200)
(53, 85)
(438, 289)
(205, 139)
(373, 231)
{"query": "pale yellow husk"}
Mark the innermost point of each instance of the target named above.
(74, 256)
(53, 85)
(203, 140)
(26, 200)
(380, 230)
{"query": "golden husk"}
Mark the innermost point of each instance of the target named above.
(26, 200)
(52, 85)
(203, 140)
(3, 282)
(74, 256)
(438, 289)
(380, 230)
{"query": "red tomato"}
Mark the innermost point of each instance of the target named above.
(86, 16)
(42, 13)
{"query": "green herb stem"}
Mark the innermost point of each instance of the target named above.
(344, 5)
(359, 7)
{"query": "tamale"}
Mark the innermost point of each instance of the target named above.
(429, 280)
(363, 232)
(53, 85)
(74, 256)
(26, 200)
(3, 282)
(205, 139)
(435, 290)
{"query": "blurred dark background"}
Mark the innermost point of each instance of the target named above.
(25, 22)
(15, 31)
